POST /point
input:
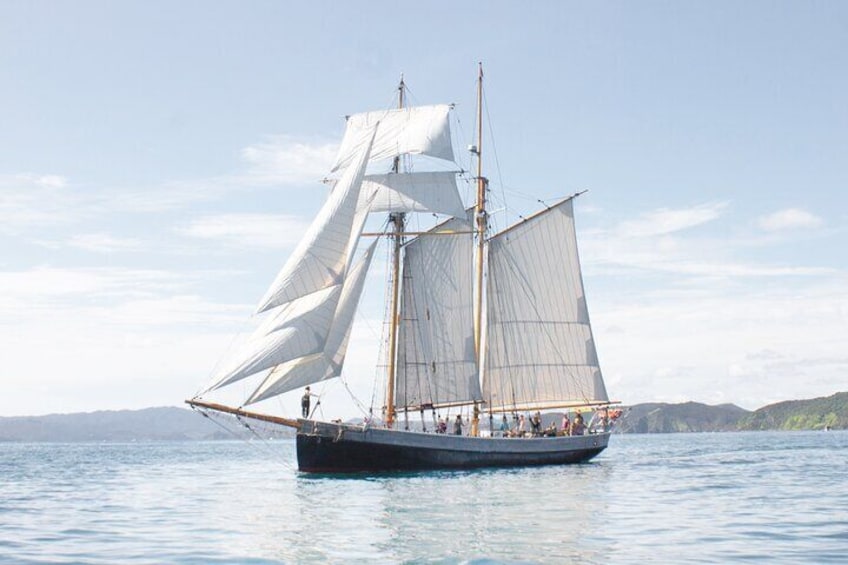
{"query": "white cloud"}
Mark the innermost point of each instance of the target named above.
(716, 344)
(27, 199)
(666, 221)
(30, 201)
(790, 218)
(103, 243)
(256, 230)
(283, 159)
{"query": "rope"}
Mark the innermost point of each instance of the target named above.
(264, 441)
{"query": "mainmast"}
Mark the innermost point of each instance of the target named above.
(480, 217)
(481, 220)
(397, 219)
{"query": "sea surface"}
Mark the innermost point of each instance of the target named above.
(761, 496)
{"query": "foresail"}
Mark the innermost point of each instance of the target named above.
(436, 359)
(320, 259)
(434, 192)
(300, 328)
(539, 345)
(417, 130)
(327, 362)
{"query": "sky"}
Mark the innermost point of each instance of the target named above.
(159, 160)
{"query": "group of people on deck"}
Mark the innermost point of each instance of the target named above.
(600, 422)
(520, 429)
(529, 426)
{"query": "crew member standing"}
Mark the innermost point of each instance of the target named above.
(305, 401)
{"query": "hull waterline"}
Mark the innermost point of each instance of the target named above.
(341, 448)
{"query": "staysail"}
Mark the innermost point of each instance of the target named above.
(540, 350)
(299, 328)
(320, 259)
(436, 359)
(327, 362)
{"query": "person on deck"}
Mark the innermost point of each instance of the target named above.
(504, 426)
(522, 426)
(457, 425)
(566, 425)
(536, 424)
(306, 401)
(578, 427)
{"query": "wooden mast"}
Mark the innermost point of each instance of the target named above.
(397, 220)
(481, 220)
(480, 217)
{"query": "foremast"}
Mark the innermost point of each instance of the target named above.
(398, 220)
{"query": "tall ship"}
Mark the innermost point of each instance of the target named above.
(484, 330)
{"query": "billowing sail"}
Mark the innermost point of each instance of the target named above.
(418, 130)
(328, 360)
(436, 359)
(298, 329)
(539, 346)
(320, 259)
(415, 192)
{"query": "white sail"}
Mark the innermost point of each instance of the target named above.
(539, 345)
(415, 192)
(418, 130)
(436, 359)
(328, 361)
(300, 328)
(321, 256)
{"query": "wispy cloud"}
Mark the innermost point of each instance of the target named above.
(258, 230)
(657, 242)
(790, 218)
(283, 159)
(667, 221)
(30, 201)
(44, 285)
(103, 243)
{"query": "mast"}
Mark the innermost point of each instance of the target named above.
(397, 220)
(480, 217)
(481, 220)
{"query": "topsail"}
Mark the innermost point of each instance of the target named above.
(418, 130)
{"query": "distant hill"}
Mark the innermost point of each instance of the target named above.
(174, 424)
(656, 417)
(149, 424)
(813, 414)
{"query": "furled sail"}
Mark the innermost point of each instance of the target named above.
(415, 192)
(539, 345)
(320, 259)
(417, 130)
(436, 359)
(327, 361)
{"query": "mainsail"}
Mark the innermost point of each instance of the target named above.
(539, 346)
(436, 359)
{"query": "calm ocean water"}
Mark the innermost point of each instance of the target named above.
(775, 497)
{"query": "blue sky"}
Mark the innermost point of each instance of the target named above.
(158, 161)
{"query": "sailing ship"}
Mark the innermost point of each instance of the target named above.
(483, 323)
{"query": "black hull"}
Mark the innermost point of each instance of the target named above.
(340, 448)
